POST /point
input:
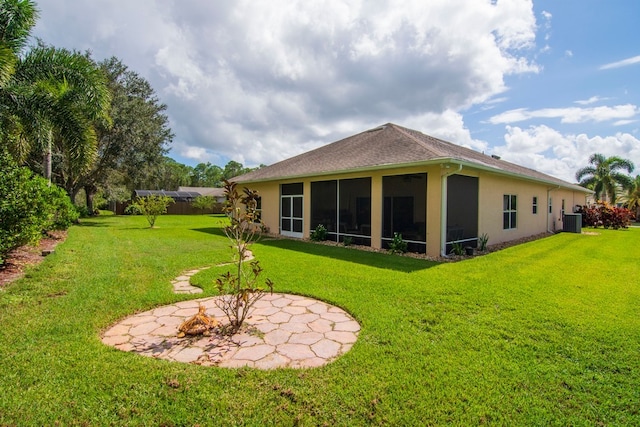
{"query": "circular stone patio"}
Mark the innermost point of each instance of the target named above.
(284, 331)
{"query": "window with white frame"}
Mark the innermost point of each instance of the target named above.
(550, 205)
(562, 210)
(534, 205)
(509, 211)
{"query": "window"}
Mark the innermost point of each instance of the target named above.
(562, 210)
(509, 206)
(550, 205)
(258, 209)
(535, 205)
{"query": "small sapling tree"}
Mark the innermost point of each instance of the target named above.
(204, 202)
(152, 207)
(239, 288)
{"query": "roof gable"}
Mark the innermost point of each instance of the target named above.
(387, 146)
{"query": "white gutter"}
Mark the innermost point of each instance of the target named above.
(443, 208)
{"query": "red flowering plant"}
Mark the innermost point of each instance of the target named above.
(605, 215)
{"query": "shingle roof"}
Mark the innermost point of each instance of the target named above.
(205, 191)
(176, 195)
(387, 146)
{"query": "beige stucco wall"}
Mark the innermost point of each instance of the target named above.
(490, 213)
(492, 188)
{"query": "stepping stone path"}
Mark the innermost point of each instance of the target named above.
(182, 284)
(282, 331)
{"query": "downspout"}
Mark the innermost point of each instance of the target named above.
(549, 190)
(443, 208)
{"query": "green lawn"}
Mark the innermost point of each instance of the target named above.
(545, 333)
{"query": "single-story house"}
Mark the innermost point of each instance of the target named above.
(391, 179)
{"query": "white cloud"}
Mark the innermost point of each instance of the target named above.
(260, 81)
(624, 122)
(623, 63)
(561, 155)
(591, 100)
(567, 115)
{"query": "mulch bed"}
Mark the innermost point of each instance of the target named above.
(23, 257)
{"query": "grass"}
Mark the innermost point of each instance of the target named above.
(545, 333)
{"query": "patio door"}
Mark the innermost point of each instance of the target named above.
(291, 210)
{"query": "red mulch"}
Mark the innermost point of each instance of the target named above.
(19, 259)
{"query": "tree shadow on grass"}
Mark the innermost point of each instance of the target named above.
(349, 254)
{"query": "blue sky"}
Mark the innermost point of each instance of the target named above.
(544, 84)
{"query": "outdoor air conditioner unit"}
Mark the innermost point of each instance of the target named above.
(572, 223)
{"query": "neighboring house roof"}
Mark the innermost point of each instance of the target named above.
(178, 196)
(205, 191)
(390, 146)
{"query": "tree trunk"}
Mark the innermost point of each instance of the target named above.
(46, 164)
(90, 190)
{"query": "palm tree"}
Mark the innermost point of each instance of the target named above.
(48, 96)
(17, 18)
(603, 175)
(69, 93)
(633, 197)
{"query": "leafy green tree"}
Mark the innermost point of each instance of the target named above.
(204, 202)
(603, 174)
(152, 207)
(168, 175)
(134, 141)
(234, 168)
(207, 175)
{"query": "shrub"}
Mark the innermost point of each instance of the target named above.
(603, 214)
(239, 289)
(29, 206)
(65, 213)
(319, 234)
(347, 241)
(398, 245)
(132, 210)
(83, 211)
(151, 206)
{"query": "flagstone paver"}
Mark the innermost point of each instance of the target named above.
(182, 284)
(283, 331)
